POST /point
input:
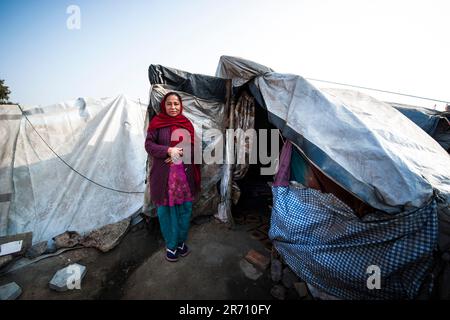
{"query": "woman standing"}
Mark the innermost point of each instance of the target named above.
(173, 183)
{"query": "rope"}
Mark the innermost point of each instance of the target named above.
(379, 90)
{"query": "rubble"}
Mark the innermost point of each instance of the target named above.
(5, 260)
(301, 289)
(276, 270)
(67, 239)
(68, 278)
(278, 292)
(36, 250)
(10, 291)
(249, 270)
(107, 237)
(289, 278)
(51, 248)
(257, 259)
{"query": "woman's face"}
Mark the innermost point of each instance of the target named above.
(173, 106)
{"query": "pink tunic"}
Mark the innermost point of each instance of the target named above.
(178, 188)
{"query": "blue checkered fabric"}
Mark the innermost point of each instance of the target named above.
(328, 246)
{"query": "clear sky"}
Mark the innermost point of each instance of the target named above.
(392, 45)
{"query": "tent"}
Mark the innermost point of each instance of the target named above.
(358, 183)
(50, 153)
(435, 123)
(371, 187)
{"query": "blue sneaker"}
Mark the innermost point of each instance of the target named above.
(183, 250)
(171, 255)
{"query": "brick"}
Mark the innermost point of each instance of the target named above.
(249, 270)
(257, 259)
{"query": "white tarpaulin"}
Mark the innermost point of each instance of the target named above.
(103, 139)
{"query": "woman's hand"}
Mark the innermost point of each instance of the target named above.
(175, 152)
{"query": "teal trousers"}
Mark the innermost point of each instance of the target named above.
(174, 222)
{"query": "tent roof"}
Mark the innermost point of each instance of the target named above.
(363, 144)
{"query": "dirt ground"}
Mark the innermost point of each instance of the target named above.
(136, 268)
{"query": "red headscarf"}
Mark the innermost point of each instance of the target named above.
(162, 120)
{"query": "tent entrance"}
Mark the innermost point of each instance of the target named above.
(255, 201)
(253, 209)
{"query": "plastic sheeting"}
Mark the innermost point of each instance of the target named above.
(433, 122)
(365, 145)
(204, 115)
(100, 138)
(239, 70)
(327, 246)
(10, 117)
(198, 85)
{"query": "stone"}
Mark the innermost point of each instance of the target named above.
(257, 259)
(289, 278)
(26, 238)
(276, 270)
(10, 291)
(36, 250)
(67, 239)
(51, 248)
(301, 289)
(278, 292)
(71, 275)
(107, 237)
(249, 270)
(5, 260)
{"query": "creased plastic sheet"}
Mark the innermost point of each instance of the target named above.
(365, 145)
(10, 117)
(239, 70)
(204, 115)
(102, 139)
(433, 122)
(199, 85)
